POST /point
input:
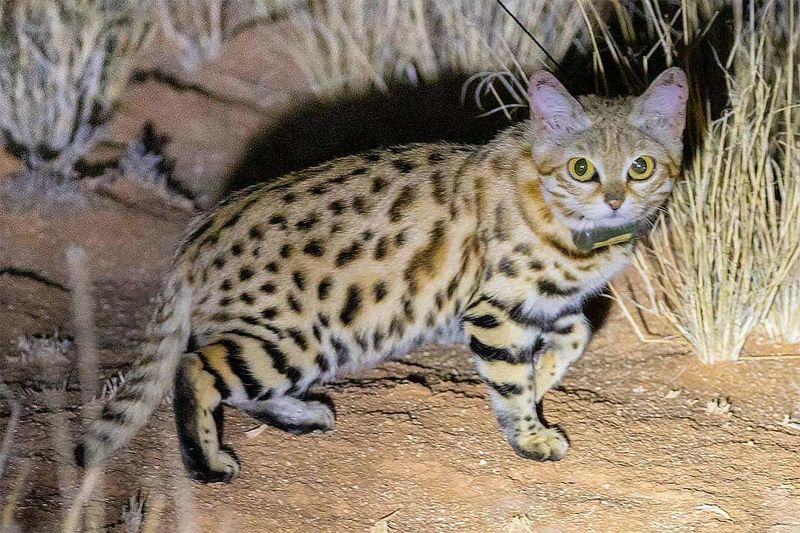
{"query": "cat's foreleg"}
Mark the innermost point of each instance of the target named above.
(565, 344)
(503, 351)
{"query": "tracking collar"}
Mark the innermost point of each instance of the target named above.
(592, 239)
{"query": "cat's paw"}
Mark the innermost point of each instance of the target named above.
(221, 468)
(545, 444)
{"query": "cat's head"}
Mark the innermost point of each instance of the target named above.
(605, 162)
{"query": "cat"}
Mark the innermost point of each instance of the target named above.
(341, 266)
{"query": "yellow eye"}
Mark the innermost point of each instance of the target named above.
(581, 168)
(642, 168)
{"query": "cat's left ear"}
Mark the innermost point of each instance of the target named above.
(661, 110)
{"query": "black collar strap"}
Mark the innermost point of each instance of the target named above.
(592, 239)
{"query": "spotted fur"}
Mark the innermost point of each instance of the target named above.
(287, 284)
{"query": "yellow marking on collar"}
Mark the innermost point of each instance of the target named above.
(617, 239)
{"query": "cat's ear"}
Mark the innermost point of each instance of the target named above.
(552, 106)
(661, 110)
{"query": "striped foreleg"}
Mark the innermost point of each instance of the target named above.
(503, 351)
(565, 344)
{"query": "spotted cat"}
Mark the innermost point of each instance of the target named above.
(362, 259)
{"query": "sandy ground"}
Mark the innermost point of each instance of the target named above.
(416, 447)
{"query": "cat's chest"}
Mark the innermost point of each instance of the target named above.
(548, 283)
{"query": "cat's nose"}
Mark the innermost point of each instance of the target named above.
(614, 203)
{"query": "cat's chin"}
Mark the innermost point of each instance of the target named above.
(604, 223)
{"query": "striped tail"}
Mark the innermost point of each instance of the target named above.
(151, 376)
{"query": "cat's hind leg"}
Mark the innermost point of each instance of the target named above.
(198, 418)
(291, 414)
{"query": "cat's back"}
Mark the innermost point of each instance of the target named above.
(316, 236)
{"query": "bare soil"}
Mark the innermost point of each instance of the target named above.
(416, 447)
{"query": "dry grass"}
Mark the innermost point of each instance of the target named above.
(62, 67)
(199, 28)
(783, 321)
(339, 46)
(720, 258)
(732, 233)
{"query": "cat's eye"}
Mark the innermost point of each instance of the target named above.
(581, 169)
(642, 168)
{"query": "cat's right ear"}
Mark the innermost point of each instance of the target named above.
(552, 106)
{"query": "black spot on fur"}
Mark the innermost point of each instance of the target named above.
(237, 249)
(506, 389)
(377, 339)
(404, 166)
(314, 248)
(380, 291)
(318, 189)
(322, 363)
(378, 184)
(549, 288)
(307, 223)
(294, 303)
(349, 254)
(435, 158)
(289, 197)
(245, 274)
(337, 207)
(268, 288)
(272, 267)
(506, 266)
(536, 265)
(219, 262)
(269, 313)
(278, 220)
(359, 205)
(523, 249)
(490, 353)
(298, 338)
(483, 321)
(352, 305)
(299, 280)
(401, 203)
(286, 250)
(226, 285)
(256, 233)
(324, 288)
(247, 298)
(342, 353)
(439, 190)
(381, 248)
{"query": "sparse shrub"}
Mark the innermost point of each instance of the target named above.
(200, 27)
(145, 158)
(355, 45)
(731, 234)
(62, 66)
(43, 349)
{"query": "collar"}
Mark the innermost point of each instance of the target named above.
(592, 239)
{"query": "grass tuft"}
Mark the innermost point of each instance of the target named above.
(358, 45)
(62, 67)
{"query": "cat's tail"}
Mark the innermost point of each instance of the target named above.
(151, 376)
